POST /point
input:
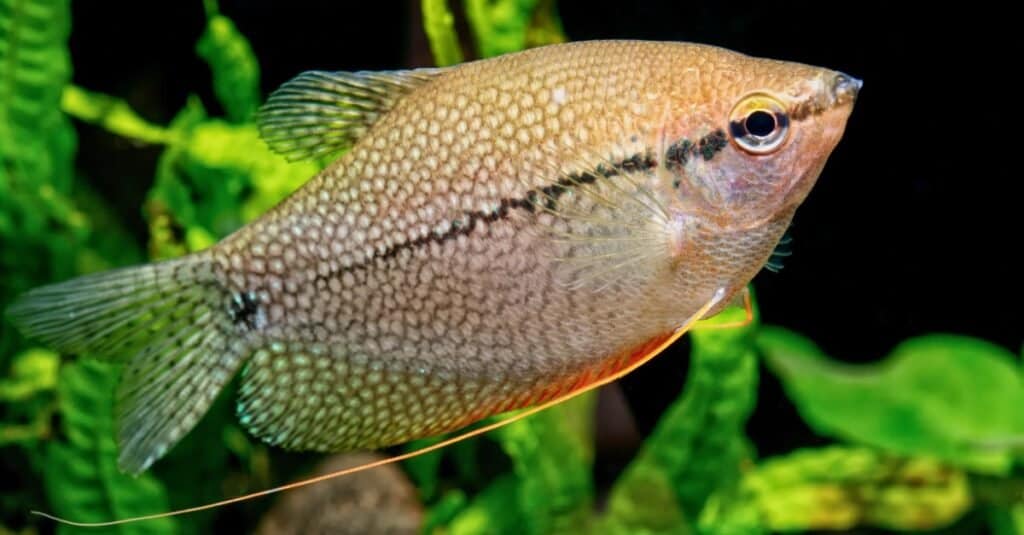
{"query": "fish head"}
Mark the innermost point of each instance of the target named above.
(747, 142)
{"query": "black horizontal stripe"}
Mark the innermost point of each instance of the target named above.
(706, 147)
(244, 309)
(544, 198)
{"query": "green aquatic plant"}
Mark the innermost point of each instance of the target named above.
(47, 225)
(507, 26)
(81, 476)
(698, 445)
(439, 25)
(953, 398)
(36, 146)
(498, 27)
(930, 438)
(840, 487)
(236, 73)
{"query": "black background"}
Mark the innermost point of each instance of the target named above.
(914, 226)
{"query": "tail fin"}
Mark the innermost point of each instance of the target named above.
(168, 321)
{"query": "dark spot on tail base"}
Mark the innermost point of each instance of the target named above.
(245, 311)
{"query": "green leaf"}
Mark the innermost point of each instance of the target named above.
(35, 67)
(219, 176)
(551, 453)
(439, 25)
(444, 511)
(424, 470)
(644, 500)
(40, 229)
(112, 114)
(545, 27)
(956, 398)
(82, 479)
(840, 488)
(32, 372)
(494, 511)
(26, 398)
(236, 73)
(550, 489)
(1007, 520)
(503, 26)
(44, 235)
(699, 443)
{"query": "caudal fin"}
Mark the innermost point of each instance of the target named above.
(168, 321)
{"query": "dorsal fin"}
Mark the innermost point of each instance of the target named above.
(321, 112)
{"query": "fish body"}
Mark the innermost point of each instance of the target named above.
(498, 234)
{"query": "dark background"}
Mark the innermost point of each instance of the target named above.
(914, 226)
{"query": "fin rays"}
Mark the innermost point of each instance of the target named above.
(458, 437)
(168, 321)
(319, 112)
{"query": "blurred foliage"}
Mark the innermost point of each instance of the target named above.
(439, 25)
(27, 394)
(39, 225)
(840, 488)
(498, 27)
(236, 73)
(955, 398)
(550, 489)
(503, 26)
(927, 438)
(698, 445)
(81, 476)
(111, 114)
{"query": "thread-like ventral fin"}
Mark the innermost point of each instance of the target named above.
(783, 250)
(320, 112)
(168, 321)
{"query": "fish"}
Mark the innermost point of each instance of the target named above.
(489, 236)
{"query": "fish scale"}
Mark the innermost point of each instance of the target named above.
(494, 235)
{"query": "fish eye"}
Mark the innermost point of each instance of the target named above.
(759, 124)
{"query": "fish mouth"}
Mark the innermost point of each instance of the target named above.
(829, 92)
(845, 89)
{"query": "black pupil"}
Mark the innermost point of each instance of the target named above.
(760, 123)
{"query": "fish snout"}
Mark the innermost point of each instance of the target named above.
(845, 88)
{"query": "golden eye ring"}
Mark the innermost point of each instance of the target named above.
(759, 124)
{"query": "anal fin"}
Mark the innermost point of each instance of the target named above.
(632, 362)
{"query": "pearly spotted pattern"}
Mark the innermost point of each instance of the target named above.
(383, 325)
(497, 234)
